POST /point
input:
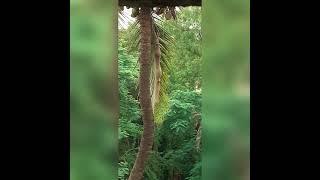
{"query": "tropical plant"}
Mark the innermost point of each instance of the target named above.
(153, 47)
(175, 111)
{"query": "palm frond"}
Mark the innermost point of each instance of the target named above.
(123, 18)
(134, 38)
(166, 44)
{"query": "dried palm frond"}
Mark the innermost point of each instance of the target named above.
(163, 41)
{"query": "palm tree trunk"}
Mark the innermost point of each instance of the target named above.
(145, 95)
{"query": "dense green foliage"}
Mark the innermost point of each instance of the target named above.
(175, 153)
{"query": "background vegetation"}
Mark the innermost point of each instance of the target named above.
(176, 153)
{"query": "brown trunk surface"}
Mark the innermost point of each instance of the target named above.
(145, 99)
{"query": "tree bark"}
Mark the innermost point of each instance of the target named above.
(145, 95)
